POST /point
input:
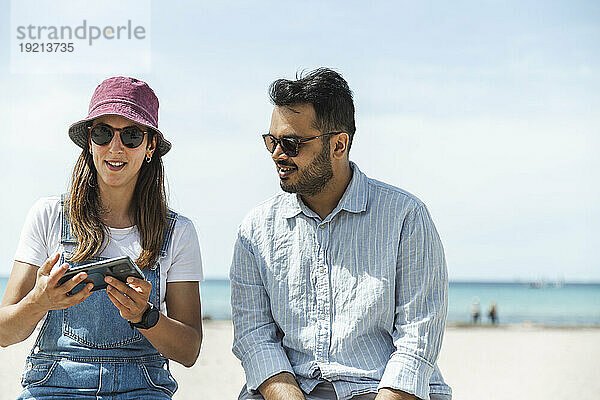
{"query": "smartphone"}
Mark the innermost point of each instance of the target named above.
(119, 268)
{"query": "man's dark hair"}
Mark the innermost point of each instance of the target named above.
(326, 91)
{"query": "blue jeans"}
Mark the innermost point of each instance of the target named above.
(46, 378)
(325, 391)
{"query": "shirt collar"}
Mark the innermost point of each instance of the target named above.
(291, 205)
(354, 199)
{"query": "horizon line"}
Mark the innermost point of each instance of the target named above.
(465, 280)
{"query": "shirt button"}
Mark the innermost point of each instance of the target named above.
(321, 226)
(322, 270)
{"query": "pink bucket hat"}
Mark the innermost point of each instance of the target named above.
(127, 97)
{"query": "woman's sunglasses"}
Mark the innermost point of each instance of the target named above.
(131, 136)
(289, 145)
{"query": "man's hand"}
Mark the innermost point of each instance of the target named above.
(282, 386)
(393, 394)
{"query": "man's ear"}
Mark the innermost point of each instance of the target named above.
(340, 144)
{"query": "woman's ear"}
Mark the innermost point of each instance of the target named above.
(151, 145)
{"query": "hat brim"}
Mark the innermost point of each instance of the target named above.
(79, 133)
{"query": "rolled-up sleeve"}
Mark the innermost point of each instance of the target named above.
(257, 338)
(421, 306)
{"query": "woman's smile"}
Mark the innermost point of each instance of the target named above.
(115, 165)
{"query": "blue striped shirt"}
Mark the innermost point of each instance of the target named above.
(358, 298)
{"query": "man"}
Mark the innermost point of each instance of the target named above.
(339, 284)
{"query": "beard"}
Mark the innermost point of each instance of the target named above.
(314, 177)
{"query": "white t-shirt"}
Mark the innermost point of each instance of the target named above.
(40, 239)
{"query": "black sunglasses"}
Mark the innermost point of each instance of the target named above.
(289, 145)
(131, 136)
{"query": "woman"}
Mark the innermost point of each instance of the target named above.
(113, 342)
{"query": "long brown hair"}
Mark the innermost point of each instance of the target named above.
(148, 208)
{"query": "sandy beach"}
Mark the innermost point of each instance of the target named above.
(521, 362)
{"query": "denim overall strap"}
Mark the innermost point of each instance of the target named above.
(171, 220)
(154, 269)
(65, 227)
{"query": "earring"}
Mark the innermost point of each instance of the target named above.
(148, 159)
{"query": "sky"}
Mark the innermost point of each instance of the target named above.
(485, 110)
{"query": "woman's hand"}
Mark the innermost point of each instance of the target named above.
(30, 293)
(48, 295)
(130, 298)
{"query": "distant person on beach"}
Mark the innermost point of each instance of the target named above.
(112, 343)
(339, 285)
(493, 314)
(475, 310)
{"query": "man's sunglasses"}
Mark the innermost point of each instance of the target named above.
(131, 136)
(289, 145)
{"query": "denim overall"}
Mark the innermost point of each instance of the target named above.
(90, 351)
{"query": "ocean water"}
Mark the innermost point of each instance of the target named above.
(570, 304)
